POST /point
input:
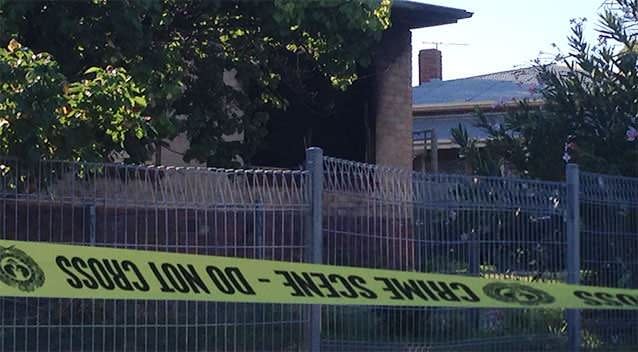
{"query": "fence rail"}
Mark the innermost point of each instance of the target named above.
(338, 212)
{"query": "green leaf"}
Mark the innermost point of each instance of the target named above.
(92, 70)
(140, 101)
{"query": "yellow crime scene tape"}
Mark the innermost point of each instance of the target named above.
(37, 269)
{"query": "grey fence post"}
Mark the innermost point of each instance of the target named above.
(573, 252)
(314, 164)
(90, 221)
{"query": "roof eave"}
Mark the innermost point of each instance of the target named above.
(415, 14)
(425, 109)
(417, 144)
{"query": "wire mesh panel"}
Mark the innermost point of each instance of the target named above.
(373, 217)
(241, 213)
(493, 227)
(609, 256)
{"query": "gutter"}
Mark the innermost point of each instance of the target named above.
(428, 109)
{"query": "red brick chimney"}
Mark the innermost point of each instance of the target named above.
(429, 65)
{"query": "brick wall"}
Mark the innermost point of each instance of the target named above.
(393, 112)
(275, 234)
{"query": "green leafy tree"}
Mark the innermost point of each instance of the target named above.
(208, 69)
(42, 115)
(478, 160)
(103, 115)
(590, 108)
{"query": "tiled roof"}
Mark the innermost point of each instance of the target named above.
(498, 87)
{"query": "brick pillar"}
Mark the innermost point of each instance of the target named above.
(430, 65)
(393, 97)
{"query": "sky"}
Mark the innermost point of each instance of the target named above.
(502, 34)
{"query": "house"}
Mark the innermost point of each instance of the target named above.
(373, 121)
(438, 106)
(393, 66)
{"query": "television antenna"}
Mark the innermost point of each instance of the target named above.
(436, 44)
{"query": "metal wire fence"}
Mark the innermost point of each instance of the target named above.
(609, 237)
(492, 227)
(372, 216)
(241, 213)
